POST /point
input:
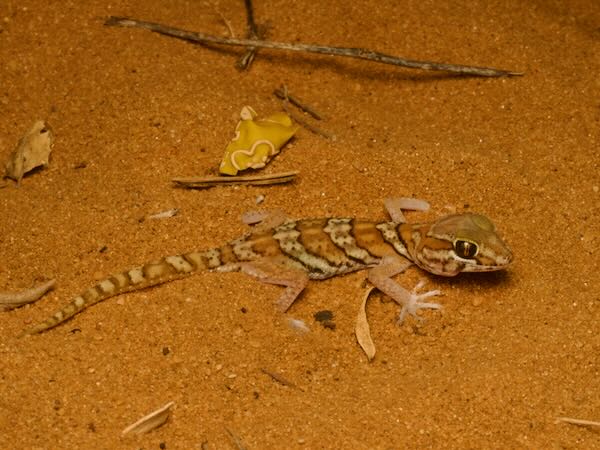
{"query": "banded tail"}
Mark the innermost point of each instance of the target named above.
(151, 274)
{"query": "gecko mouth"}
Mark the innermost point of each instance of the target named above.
(485, 268)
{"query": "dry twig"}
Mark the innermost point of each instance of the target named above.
(236, 439)
(283, 94)
(279, 378)
(310, 127)
(206, 182)
(358, 53)
(247, 58)
(287, 98)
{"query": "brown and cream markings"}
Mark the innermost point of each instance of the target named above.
(292, 252)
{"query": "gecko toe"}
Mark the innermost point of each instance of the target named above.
(416, 303)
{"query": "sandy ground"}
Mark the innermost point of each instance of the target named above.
(131, 109)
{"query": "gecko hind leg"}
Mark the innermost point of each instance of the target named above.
(274, 272)
(411, 301)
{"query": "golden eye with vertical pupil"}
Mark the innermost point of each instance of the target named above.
(465, 249)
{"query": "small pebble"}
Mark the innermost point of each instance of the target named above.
(322, 316)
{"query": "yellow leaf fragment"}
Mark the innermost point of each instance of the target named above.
(150, 422)
(256, 141)
(32, 150)
(362, 329)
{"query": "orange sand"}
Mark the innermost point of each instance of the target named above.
(131, 110)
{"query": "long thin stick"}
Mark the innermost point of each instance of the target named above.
(257, 180)
(359, 53)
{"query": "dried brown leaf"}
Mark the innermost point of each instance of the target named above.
(32, 150)
(362, 329)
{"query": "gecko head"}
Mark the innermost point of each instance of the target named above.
(462, 243)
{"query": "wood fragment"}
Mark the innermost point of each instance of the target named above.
(15, 299)
(279, 378)
(581, 422)
(283, 94)
(362, 329)
(150, 422)
(357, 53)
(207, 182)
(164, 214)
(237, 441)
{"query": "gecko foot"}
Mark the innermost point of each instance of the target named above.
(415, 302)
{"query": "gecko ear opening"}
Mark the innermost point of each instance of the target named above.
(465, 249)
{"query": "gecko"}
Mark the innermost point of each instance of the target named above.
(291, 252)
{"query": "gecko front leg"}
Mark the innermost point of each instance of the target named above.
(273, 271)
(395, 205)
(411, 301)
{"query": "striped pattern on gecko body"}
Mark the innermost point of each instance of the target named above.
(294, 251)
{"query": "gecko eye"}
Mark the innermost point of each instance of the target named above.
(465, 249)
